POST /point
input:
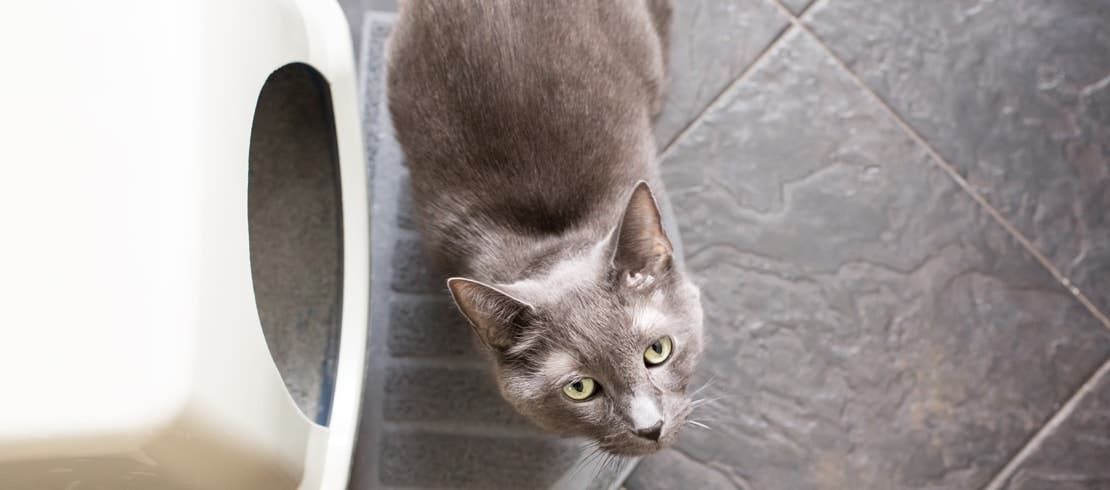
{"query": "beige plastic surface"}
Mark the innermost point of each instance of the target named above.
(131, 354)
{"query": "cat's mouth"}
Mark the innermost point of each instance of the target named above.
(631, 444)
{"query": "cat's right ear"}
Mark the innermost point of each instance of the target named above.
(641, 245)
(491, 312)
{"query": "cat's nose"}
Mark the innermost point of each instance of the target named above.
(651, 432)
(646, 421)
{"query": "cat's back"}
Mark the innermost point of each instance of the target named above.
(524, 111)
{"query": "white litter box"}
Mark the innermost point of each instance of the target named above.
(132, 355)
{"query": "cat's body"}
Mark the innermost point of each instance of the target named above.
(527, 126)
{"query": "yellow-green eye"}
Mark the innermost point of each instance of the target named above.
(658, 352)
(580, 389)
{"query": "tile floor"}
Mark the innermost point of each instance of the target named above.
(898, 213)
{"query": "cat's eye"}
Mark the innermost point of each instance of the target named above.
(580, 389)
(658, 352)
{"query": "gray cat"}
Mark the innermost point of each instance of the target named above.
(527, 126)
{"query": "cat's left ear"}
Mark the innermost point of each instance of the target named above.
(492, 313)
(641, 249)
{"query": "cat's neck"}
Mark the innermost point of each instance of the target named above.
(574, 266)
(543, 262)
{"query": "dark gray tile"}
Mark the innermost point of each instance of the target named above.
(1076, 455)
(672, 469)
(797, 6)
(1014, 94)
(712, 42)
(428, 459)
(608, 477)
(869, 324)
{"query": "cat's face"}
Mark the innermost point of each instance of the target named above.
(611, 363)
(602, 345)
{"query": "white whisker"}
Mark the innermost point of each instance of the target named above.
(695, 423)
(704, 401)
(704, 387)
(590, 457)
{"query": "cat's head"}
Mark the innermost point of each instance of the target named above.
(601, 345)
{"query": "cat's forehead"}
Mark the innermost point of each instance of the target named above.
(599, 331)
(559, 363)
(600, 313)
(573, 275)
(647, 321)
(643, 310)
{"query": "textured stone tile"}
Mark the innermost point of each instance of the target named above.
(611, 473)
(423, 325)
(672, 469)
(411, 271)
(869, 325)
(1014, 94)
(712, 42)
(451, 393)
(796, 6)
(428, 459)
(1076, 455)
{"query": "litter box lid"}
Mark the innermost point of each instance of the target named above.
(131, 350)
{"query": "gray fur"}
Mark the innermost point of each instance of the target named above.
(527, 126)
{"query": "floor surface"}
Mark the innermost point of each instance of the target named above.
(898, 213)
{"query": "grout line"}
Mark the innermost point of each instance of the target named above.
(807, 8)
(1047, 429)
(952, 172)
(791, 13)
(719, 99)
